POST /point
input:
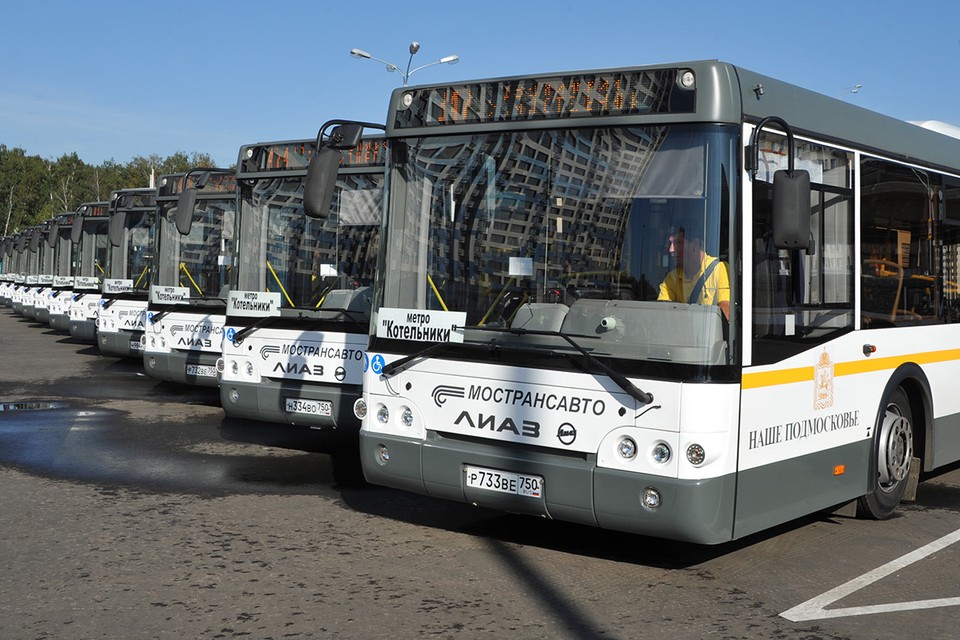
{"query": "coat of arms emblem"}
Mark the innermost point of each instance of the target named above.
(823, 382)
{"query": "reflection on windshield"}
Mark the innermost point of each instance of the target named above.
(200, 260)
(312, 262)
(579, 231)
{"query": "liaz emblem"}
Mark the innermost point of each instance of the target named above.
(823, 382)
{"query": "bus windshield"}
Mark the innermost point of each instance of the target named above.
(618, 236)
(200, 260)
(304, 259)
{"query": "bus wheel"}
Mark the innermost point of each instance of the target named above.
(893, 448)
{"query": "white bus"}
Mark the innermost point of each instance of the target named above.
(121, 320)
(298, 313)
(534, 347)
(89, 236)
(61, 293)
(193, 246)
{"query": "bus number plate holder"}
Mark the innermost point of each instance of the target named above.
(518, 484)
(311, 407)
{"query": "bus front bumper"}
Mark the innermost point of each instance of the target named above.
(575, 489)
(267, 400)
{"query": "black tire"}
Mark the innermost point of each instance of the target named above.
(893, 453)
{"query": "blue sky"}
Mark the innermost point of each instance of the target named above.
(115, 79)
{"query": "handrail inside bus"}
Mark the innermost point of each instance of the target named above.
(436, 292)
(280, 284)
(183, 267)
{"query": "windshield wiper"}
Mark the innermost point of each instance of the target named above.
(157, 315)
(618, 378)
(262, 322)
(399, 365)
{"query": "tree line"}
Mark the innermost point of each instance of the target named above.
(34, 189)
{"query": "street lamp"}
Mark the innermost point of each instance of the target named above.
(414, 47)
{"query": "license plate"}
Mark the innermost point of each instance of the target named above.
(202, 370)
(135, 345)
(312, 407)
(504, 481)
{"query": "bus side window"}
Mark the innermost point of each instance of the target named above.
(804, 297)
(900, 281)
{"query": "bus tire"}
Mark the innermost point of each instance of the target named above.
(893, 453)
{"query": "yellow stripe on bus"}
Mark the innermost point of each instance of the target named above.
(804, 374)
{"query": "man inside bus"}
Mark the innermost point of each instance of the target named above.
(698, 277)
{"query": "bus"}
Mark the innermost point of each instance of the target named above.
(530, 352)
(61, 296)
(194, 249)
(21, 249)
(7, 274)
(37, 262)
(60, 250)
(91, 246)
(123, 301)
(298, 312)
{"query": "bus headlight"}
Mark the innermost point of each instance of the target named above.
(661, 453)
(696, 455)
(627, 448)
(406, 417)
(234, 367)
(383, 415)
(360, 408)
(249, 368)
(651, 499)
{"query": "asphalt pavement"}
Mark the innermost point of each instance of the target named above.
(130, 508)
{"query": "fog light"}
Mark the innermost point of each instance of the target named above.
(651, 498)
(383, 454)
(695, 454)
(661, 453)
(234, 395)
(360, 408)
(383, 415)
(152, 363)
(406, 417)
(627, 448)
(250, 369)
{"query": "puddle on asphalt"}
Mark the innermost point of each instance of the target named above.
(30, 405)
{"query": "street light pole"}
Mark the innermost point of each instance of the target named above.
(414, 48)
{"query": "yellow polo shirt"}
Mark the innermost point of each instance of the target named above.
(677, 287)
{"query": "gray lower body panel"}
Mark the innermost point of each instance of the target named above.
(783, 491)
(119, 343)
(60, 322)
(266, 401)
(172, 367)
(574, 488)
(84, 330)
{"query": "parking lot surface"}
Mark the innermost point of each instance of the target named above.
(131, 508)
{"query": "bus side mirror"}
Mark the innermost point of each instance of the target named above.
(321, 177)
(320, 182)
(185, 205)
(76, 231)
(791, 209)
(53, 234)
(115, 233)
(791, 192)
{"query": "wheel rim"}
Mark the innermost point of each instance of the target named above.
(896, 448)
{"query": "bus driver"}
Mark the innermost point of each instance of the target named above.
(698, 278)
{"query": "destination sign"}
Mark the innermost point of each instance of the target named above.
(584, 95)
(159, 294)
(253, 303)
(421, 325)
(286, 156)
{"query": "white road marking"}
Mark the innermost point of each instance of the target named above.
(816, 608)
